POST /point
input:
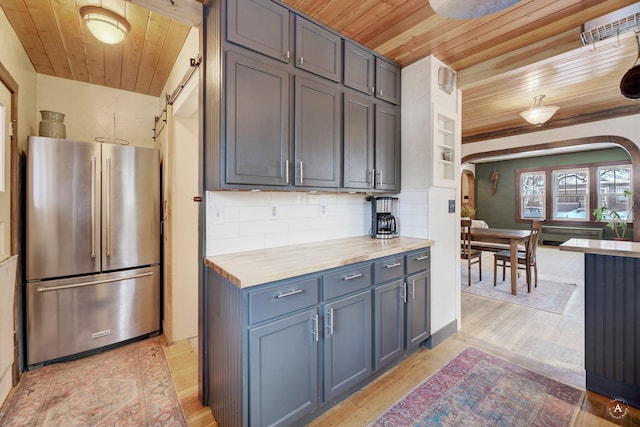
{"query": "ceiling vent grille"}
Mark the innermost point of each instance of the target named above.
(611, 25)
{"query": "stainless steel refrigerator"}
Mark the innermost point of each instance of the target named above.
(93, 246)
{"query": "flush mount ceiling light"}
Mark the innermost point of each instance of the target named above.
(539, 113)
(467, 9)
(106, 25)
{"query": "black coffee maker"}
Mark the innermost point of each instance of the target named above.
(384, 217)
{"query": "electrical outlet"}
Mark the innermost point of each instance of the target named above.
(217, 216)
(274, 212)
(323, 209)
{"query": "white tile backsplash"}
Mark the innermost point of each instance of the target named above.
(242, 220)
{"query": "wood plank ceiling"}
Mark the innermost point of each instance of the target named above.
(502, 60)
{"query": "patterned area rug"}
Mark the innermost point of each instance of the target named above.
(129, 385)
(478, 389)
(548, 296)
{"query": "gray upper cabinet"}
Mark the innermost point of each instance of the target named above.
(358, 142)
(260, 25)
(257, 122)
(359, 66)
(387, 155)
(317, 134)
(318, 50)
(387, 81)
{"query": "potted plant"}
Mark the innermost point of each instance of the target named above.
(615, 222)
(467, 211)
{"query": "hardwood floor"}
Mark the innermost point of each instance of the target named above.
(548, 343)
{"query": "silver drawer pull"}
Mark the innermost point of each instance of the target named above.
(288, 294)
(395, 264)
(420, 258)
(351, 277)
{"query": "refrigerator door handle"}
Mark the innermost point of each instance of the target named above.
(93, 207)
(108, 207)
(97, 282)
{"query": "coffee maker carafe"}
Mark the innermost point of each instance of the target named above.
(384, 217)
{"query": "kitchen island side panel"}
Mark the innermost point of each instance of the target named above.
(225, 341)
(612, 326)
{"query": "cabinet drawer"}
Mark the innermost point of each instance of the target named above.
(418, 261)
(346, 281)
(389, 269)
(282, 299)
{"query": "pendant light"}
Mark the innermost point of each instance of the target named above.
(539, 113)
(467, 9)
(105, 25)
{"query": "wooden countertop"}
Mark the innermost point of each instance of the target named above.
(251, 268)
(603, 247)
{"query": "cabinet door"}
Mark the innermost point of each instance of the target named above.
(347, 343)
(317, 145)
(387, 135)
(387, 81)
(257, 122)
(260, 25)
(359, 66)
(418, 312)
(389, 302)
(283, 369)
(318, 50)
(358, 142)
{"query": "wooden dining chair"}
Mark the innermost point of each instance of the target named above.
(472, 256)
(526, 258)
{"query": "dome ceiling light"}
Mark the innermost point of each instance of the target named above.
(468, 9)
(539, 113)
(105, 25)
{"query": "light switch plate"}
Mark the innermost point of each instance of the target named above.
(452, 206)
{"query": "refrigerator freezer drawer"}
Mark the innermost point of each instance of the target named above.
(70, 316)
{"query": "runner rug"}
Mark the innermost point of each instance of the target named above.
(129, 385)
(478, 389)
(549, 296)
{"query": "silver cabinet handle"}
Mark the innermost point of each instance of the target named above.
(352, 276)
(330, 321)
(315, 331)
(380, 92)
(421, 258)
(373, 89)
(413, 289)
(93, 207)
(301, 173)
(288, 294)
(380, 173)
(373, 178)
(302, 60)
(287, 55)
(395, 264)
(97, 282)
(108, 207)
(286, 171)
(404, 292)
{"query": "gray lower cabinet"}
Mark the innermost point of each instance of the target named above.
(347, 343)
(257, 122)
(277, 354)
(418, 323)
(389, 322)
(317, 134)
(283, 370)
(260, 25)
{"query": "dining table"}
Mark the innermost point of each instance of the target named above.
(505, 236)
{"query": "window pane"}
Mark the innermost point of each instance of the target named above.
(571, 189)
(532, 195)
(613, 181)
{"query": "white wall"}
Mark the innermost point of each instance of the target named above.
(89, 110)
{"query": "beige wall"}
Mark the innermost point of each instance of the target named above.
(89, 110)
